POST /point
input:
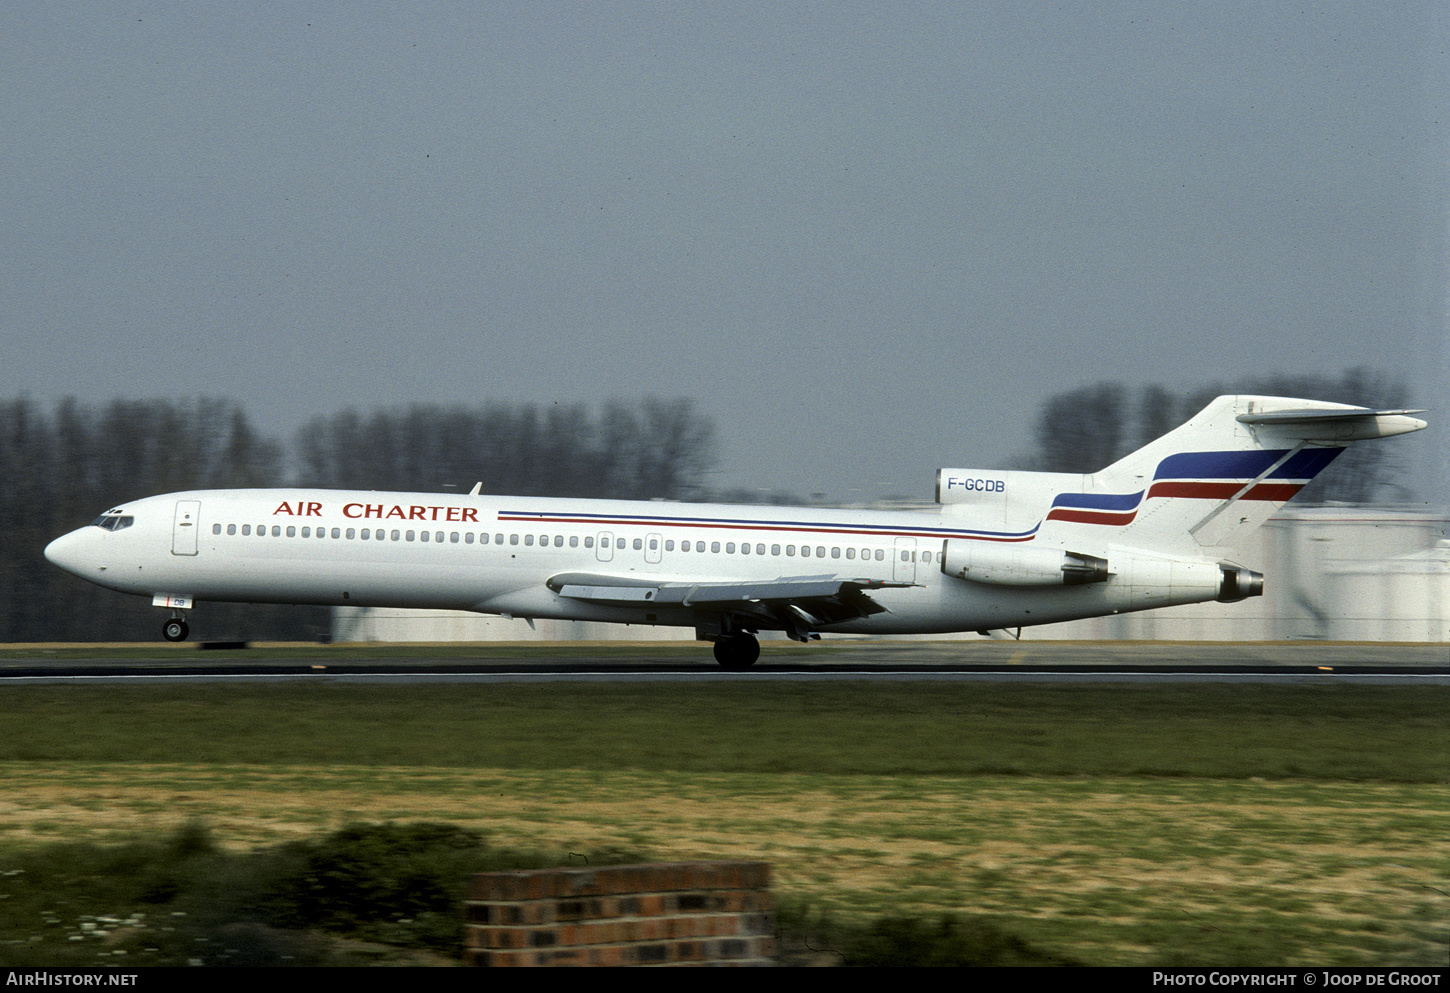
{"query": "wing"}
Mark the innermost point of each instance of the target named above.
(794, 603)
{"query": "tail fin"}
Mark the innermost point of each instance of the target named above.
(1225, 471)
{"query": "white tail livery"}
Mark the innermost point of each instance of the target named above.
(1003, 549)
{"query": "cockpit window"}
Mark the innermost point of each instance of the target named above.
(113, 522)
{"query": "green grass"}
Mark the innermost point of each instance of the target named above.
(1385, 734)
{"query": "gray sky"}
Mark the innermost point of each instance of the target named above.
(869, 239)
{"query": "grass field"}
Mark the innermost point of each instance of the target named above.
(1213, 824)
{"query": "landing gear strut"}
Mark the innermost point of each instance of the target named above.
(175, 629)
(736, 652)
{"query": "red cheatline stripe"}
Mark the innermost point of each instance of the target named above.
(1091, 517)
(1223, 491)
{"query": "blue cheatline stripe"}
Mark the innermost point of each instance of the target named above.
(1307, 464)
(1245, 465)
(744, 524)
(1099, 501)
(1217, 465)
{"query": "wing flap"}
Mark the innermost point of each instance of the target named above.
(824, 596)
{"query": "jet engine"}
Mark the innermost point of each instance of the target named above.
(1014, 565)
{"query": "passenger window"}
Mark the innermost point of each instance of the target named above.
(246, 529)
(638, 544)
(409, 535)
(588, 541)
(231, 529)
(216, 529)
(850, 553)
(790, 550)
(306, 532)
(654, 544)
(396, 535)
(880, 555)
(350, 534)
(528, 539)
(423, 536)
(558, 541)
(729, 548)
(759, 549)
(453, 537)
(468, 538)
(805, 551)
(438, 537)
(513, 539)
(835, 551)
(820, 551)
(775, 549)
(573, 541)
(276, 530)
(291, 531)
(715, 547)
(926, 556)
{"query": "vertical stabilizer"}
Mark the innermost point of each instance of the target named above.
(1225, 471)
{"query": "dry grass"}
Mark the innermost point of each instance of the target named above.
(1097, 864)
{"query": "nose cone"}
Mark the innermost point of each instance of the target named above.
(69, 552)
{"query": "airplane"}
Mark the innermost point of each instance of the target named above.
(1001, 550)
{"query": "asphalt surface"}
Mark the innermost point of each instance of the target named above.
(875, 660)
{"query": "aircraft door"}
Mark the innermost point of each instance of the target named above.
(903, 568)
(652, 545)
(604, 546)
(183, 531)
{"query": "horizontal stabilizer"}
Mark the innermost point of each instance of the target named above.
(1335, 425)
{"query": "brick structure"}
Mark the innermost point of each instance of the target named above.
(663, 913)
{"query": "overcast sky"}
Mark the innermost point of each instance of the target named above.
(869, 239)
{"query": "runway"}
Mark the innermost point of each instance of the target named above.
(613, 662)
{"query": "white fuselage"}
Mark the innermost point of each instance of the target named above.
(493, 554)
(1006, 550)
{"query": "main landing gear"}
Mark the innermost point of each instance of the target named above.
(175, 629)
(736, 652)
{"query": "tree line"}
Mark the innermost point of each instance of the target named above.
(65, 465)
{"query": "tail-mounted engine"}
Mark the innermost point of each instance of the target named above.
(1013, 565)
(1141, 580)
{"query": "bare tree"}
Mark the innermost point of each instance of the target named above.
(1082, 430)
